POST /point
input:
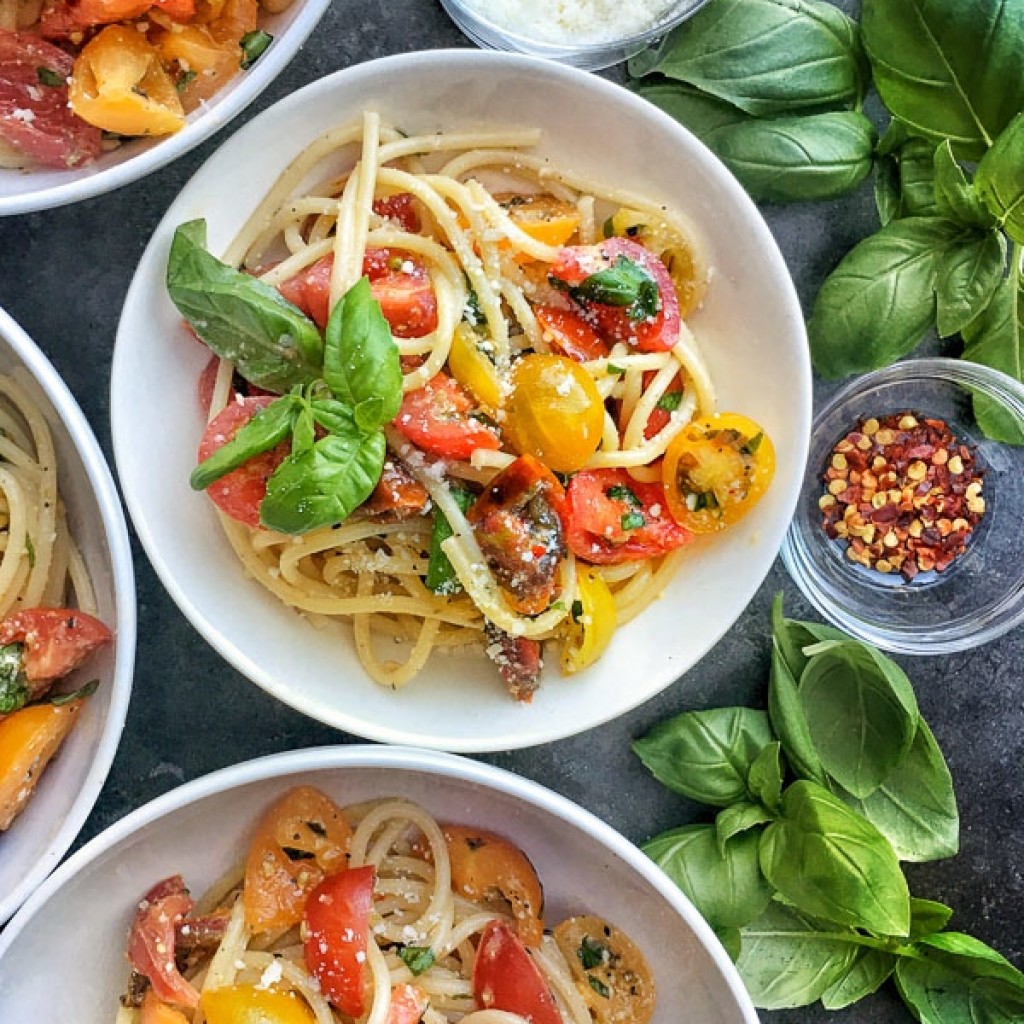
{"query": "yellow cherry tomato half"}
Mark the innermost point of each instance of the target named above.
(591, 622)
(247, 1004)
(716, 470)
(119, 85)
(554, 412)
(471, 367)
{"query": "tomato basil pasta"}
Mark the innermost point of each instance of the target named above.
(482, 360)
(376, 913)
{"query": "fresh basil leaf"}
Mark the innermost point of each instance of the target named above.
(915, 807)
(268, 428)
(303, 429)
(706, 755)
(866, 975)
(790, 159)
(592, 953)
(888, 200)
(764, 780)
(51, 78)
(626, 284)
(968, 276)
(325, 484)
(693, 109)
(633, 521)
(887, 278)
(59, 699)
(273, 344)
(765, 57)
(861, 713)
(1000, 178)
(727, 888)
(834, 864)
(927, 917)
(14, 691)
(957, 979)
(670, 401)
(737, 818)
(185, 80)
(916, 159)
(416, 958)
(254, 44)
(948, 69)
(441, 577)
(731, 940)
(787, 961)
(794, 636)
(788, 719)
(996, 338)
(361, 363)
(955, 197)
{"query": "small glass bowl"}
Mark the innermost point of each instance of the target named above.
(590, 57)
(981, 595)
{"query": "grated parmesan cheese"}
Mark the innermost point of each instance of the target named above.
(568, 22)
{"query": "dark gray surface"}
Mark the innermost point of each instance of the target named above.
(64, 274)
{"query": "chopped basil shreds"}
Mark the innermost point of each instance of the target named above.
(622, 493)
(66, 698)
(30, 551)
(416, 958)
(13, 686)
(577, 611)
(670, 401)
(47, 76)
(592, 953)
(254, 45)
(187, 78)
(750, 448)
(617, 370)
(632, 521)
(599, 986)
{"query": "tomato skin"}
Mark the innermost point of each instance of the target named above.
(658, 334)
(249, 1004)
(52, 136)
(57, 640)
(436, 419)
(407, 1005)
(506, 978)
(400, 208)
(596, 532)
(276, 886)
(570, 334)
(240, 493)
(337, 929)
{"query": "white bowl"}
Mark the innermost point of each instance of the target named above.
(752, 335)
(40, 189)
(31, 848)
(51, 968)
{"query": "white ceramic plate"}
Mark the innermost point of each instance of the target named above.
(62, 957)
(25, 191)
(751, 332)
(42, 833)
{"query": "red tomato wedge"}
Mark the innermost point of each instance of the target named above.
(660, 416)
(34, 117)
(337, 930)
(240, 493)
(506, 978)
(151, 942)
(437, 419)
(407, 1005)
(401, 208)
(614, 518)
(399, 282)
(658, 333)
(56, 640)
(570, 334)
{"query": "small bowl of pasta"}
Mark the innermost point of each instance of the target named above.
(466, 414)
(95, 94)
(364, 883)
(67, 618)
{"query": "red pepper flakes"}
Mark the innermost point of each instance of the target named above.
(903, 493)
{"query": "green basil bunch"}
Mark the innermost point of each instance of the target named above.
(774, 88)
(819, 799)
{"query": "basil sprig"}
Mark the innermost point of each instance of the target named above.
(326, 476)
(625, 283)
(14, 691)
(817, 802)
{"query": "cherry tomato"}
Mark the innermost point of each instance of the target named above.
(614, 518)
(337, 929)
(570, 334)
(485, 866)
(716, 470)
(49, 134)
(57, 640)
(398, 494)
(151, 941)
(543, 217)
(436, 418)
(554, 412)
(656, 333)
(28, 740)
(400, 208)
(471, 367)
(60, 19)
(591, 625)
(213, 62)
(519, 522)
(506, 978)
(248, 1004)
(154, 1011)
(301, 838)
(407, 1005)
(240, 493)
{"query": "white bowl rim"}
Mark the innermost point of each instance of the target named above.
(431, 762)
(116, 533)
(553, 728)
(219, 113)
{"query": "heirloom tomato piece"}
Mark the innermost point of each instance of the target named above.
(152, 938)
(438, 419)
(506, 978)
(570, 334)
(56, 641)
(591, 621)
(250, 1004)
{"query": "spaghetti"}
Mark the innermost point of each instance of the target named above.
(540, 320)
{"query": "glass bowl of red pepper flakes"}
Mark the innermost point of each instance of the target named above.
(909, 532)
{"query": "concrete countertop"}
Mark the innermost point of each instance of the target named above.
(64, 276)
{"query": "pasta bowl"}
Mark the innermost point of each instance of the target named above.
(37, 839)
(750, 330)
(50, 968)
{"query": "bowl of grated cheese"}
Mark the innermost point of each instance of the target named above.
(590, 34)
